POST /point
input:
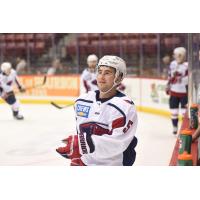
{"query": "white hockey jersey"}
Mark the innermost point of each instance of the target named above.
(106, 129)
(178, 78)
(89, 80)
(6, 82)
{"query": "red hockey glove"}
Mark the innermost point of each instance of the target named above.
(175, 78)
(71, 150)
(77, 162)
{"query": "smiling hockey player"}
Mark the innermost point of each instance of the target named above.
(8, 77)
(106, 121)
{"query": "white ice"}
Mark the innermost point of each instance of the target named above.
(34, 140)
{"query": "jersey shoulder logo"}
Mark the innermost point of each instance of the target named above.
(82, 110)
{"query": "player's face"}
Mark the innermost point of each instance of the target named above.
(180, 58)
(7, 72)
(105, 78)
(92, 64)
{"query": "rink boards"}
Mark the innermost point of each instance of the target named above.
(147, 94)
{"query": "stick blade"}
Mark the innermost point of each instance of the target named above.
(54, 104)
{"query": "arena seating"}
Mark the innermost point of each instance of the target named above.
(19, 43)
(130, 42)
(129, 45)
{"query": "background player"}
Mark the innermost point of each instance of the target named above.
(8, 77)
(88, 76)
(106, 121)
(177, 85)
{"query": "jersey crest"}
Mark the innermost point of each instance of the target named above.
(82, 110)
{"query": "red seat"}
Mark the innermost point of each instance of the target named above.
(133, 35)
(29, 36)
(71, 49)
(2, 38)
(30, 45)
(10, 45)
(21, 45)
(40, 36)
(48, 35)
(93, 36)
(83, 42)
(95, 42)
(134, 42)
(83, 36)
(113, 42)
(2, 45)
(171, 41)
(39, 45)
(10, 37)
(19, 37)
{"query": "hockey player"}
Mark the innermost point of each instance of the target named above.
(8, 77)
(106, 121)
(88, 76)
(177, 85)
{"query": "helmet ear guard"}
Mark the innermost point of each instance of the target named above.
(118, 77)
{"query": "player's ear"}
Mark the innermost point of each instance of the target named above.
(119, 79)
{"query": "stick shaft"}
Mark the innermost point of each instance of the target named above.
(60, 107)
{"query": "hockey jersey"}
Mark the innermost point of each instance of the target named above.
(6, 82)
(88, 79)
(178, 78)
(106, 129)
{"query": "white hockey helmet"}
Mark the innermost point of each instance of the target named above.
(5, 66)
(180, 54)
(180, 50)
(92, 58)
(114, 62)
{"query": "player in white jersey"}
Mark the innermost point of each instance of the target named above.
(106, 121)
(8, 77)
(177, 85)
(88, 76)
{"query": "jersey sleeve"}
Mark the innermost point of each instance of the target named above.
(84, 79)
(121, 132)
(84, 75)
(4, 86)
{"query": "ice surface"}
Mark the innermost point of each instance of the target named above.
(34, 140)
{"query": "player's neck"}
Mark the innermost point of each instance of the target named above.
(109, 94)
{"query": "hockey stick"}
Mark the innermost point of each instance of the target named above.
(60, 107)
(35, 86)
(38, 85)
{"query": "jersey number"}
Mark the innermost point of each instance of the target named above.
(130, 123)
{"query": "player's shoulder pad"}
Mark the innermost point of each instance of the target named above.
(85, 74)
(186, 64)
(14, 72)
(123, 102)
(173, 63)
(87, 97)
